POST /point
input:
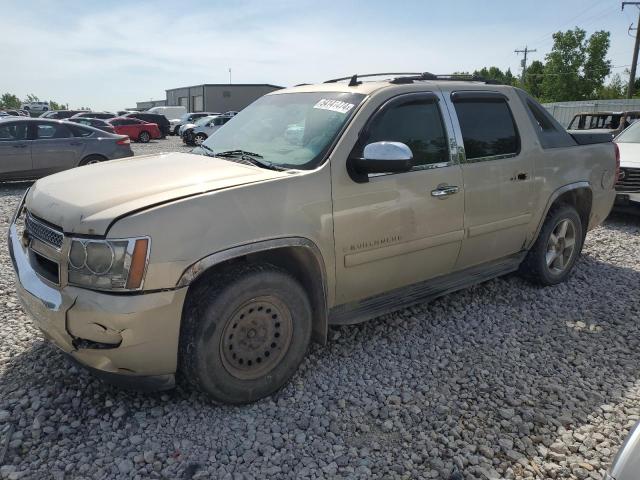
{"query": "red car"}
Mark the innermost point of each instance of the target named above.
(137, 130)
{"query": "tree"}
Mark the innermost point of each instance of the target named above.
(32, 98)
(576, 67)
(9, 101)
(533, 78)
(616, 89)
(58, 106)
(494, 73)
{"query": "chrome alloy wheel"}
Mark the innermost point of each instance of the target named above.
(561, 246)
(256, 338)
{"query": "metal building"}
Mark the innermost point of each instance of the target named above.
(146, 105)
(218, 97)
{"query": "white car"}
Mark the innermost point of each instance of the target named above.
(37, 107)
(626, 464)
(628, 186)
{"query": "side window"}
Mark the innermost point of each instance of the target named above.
(488, 128)
(417, 124)
(115, 123)
(79, 131)
(51, 130)
(12, 132)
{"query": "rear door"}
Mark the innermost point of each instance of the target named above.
(15, 150)
(498, 177)
(54, 148)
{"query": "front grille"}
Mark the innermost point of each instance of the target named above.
(43, 232)
(629, 180)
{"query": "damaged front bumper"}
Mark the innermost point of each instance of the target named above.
(128, 339)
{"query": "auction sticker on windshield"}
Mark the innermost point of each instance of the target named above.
(334, 105)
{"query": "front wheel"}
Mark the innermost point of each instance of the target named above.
(558, 246)
(176, 130)
(144, 137)
(245, 333)
(199, 139)
(92, 159)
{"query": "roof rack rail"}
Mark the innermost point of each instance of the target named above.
(410, 77)
(353, 79)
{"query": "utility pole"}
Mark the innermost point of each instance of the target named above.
(229, 75)
(526, 51)
(634, 62)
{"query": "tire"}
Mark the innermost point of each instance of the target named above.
(199, 139)
(176, 130)
(270, 316)
(144, 137)
(543, 264)
(187, 138)
(92, 159)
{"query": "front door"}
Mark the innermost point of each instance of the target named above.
(15, 150)
(498, 177)
(393, 230)
(54, 148)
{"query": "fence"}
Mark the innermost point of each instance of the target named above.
(564, 111)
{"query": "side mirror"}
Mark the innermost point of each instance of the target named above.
(385, 157)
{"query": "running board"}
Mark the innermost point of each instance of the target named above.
(360, 311)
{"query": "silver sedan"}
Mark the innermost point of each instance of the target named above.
(33, 148)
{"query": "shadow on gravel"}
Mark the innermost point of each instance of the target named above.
(474, 381)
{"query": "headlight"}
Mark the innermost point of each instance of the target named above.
(108, 264)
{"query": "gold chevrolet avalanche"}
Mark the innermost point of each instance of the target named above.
(316, 205)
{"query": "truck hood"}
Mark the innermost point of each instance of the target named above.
(629, 154)
(87, 199)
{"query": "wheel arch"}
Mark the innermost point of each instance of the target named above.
(297, 255)
(578, 195)
(93, 155)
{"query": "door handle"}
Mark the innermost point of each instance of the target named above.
(444, 191)
(520, 177)
(23, 145)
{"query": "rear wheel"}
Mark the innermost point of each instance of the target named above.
(558, 246)
(244, 334)
(199, 138)
(144, 137)
(91, 159)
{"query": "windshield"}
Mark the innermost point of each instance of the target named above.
(631, 134)
(290, 130)
(202, 121)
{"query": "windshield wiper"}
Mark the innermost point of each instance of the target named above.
(250, 157)
(208, 149)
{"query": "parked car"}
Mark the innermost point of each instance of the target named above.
(170, 113)
(13, 113)
(101, 115)
(610, 122)
(201, 132)
(122, 113)
(35, 107)
(626, 464)
(187, 118)
(160, 120)
(628, 185)
(60, 114)
(186, 130)
(224, 263)
(33, 147)
(230, 113)
(95, 123)
(135, 129)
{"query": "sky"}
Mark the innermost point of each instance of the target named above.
(106, 55)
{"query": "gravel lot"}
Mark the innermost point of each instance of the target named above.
(504, 380)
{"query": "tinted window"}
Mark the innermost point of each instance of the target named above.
(52, 130)
(13, 131)
(487, 128)
(79, 131)
(417, 124)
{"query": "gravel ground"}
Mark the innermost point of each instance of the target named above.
(503, 380)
